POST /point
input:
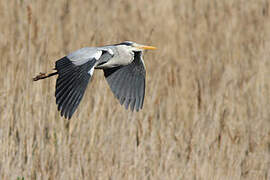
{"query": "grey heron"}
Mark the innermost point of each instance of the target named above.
(123, 68)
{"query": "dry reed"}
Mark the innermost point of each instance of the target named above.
(207, 107)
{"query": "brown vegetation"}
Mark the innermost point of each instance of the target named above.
(207, 107)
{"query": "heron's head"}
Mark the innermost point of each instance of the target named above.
(132, 46)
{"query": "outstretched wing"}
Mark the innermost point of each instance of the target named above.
(71, 84)
(128, 82)
(75, 72)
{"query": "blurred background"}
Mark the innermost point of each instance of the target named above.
(206, 112)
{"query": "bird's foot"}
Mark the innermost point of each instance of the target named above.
(40, 76)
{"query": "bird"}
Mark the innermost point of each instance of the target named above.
(123, 68)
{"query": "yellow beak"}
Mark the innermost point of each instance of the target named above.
(147, 47)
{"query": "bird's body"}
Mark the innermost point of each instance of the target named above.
(123, 68)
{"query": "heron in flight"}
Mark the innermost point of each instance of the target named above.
(123, 68)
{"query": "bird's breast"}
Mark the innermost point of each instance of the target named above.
(117, 61)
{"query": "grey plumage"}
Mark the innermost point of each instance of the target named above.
(123, 68)
(71, 84)
(128, 83)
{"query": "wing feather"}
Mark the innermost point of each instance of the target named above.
(71, 84)
(128, 82)
(75, 71)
